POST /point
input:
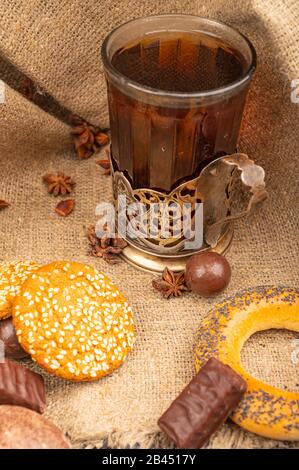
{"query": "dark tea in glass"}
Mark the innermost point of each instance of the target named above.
(177, 86)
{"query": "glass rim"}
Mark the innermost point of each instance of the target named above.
(138, 87)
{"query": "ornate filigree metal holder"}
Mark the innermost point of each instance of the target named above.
(213, 187)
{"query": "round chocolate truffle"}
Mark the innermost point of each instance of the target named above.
(12, 347)
(21, 428)
(207, 273)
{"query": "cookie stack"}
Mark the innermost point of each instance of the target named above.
(69, 317)
(73, 321)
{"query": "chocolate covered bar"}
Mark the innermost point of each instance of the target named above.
(21, 386)
(12, 347)
(203, 406)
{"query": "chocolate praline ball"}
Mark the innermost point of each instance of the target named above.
(207, 273)
(12, 347)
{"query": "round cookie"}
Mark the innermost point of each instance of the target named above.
(12, 276)
(21, 428)
(264, 409)
(73, 321)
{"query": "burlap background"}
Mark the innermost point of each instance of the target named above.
(56, 43)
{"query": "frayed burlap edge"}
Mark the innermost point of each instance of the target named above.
(229, 437)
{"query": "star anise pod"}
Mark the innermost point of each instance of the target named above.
(105, 164)
(106, 247)
(64, 208)
(87, 137)
(170, 284)
(59, 183)
(3, 204)
(102, 139)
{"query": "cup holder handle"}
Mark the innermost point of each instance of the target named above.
(253, 177)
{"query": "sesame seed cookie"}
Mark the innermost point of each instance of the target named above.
(12, 276)
(73, 321)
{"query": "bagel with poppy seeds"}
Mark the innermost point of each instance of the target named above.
(264, 409)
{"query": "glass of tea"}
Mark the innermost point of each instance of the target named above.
(177, 86)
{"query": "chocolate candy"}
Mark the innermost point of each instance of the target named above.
(21, 428)
(203, 405)
(207, 273)
(11, 345)
(21, 386)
